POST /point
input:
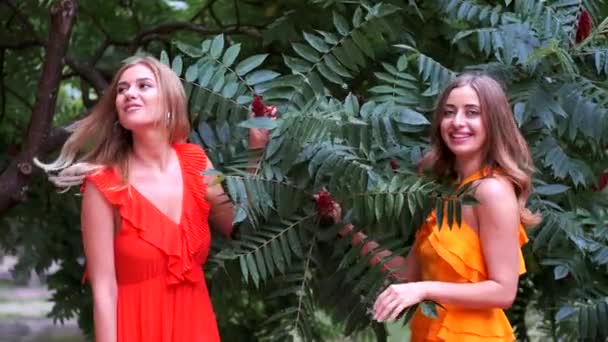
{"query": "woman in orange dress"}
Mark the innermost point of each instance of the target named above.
(471, 270)
(145, 209)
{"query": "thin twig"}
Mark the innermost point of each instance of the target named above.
(215, 17)
(2, 90)
(237, 13)
(19, 97)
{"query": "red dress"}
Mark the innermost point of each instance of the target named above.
(162, 293)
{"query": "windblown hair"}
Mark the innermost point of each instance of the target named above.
(102, 141)
(506, 148)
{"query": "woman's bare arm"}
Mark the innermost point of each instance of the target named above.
(404, 269)
(222, 209)
(98, 239)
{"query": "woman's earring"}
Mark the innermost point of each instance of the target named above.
(168, 118)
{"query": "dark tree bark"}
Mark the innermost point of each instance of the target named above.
(15, 178)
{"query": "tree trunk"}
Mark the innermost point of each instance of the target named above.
(15, 179)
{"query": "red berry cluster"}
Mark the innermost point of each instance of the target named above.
(259, 109)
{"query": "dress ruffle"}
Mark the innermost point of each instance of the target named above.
(180, 242)
(463, 325)
(461, 249)
(455, 255)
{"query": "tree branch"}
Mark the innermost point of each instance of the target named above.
(215, 17)
(171, 27)
(89, 74)
(237, 13)
(200, 13)
(15, 178)
(2, 87)
(23, 19)
(86, 100)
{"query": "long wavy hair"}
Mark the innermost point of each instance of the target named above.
(99, 140)
(506, 148)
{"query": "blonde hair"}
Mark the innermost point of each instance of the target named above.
(506, 148)
(104, 141)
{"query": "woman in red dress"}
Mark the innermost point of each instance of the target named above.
(145, 209)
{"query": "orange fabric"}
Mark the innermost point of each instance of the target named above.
(162, 293)
(455, 255)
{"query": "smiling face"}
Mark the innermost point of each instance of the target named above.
(462, 127)
(138, 98)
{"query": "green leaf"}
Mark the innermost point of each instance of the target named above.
(341, 24)
(192, 73)
(217, 46)
(259, 122)
(409, 313)
(306, 52)
(551, 189)
(249, 64)
(335, 66)
(294, 242)
(583, 322)
(259, 259)
(206, 45)
(189, 50)
(429, 309)
(439, 212)
(164, 58)
(328, 74)
(316, 42)
(329, 37)
(402, 63)
(177, 65)
(564, 312)
(410, 117)
(261, 76)
(363, 43)
(458, 212)
(239, 216)
(399, 201)
(343, 55)
(602, 316)
(279, 260)
(389, 205)
(469, 200)
(255, 276)
(379, 207)
(231, 54)
(351, 104)
(450, 213)
(560, 272)
(244, 268)
(358, 17)
(230, 90)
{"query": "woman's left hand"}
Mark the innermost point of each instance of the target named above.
(258, 138)
(396, 298)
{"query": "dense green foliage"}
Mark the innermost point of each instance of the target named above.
(355, 82)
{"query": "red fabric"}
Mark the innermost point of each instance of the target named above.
(162, 293)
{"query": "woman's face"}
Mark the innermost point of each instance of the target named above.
(462, 127)
(137, 98)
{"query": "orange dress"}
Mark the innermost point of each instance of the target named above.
(455, 255)
(162, 293)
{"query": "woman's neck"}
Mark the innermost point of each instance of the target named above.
(466, 167)
(152, 150)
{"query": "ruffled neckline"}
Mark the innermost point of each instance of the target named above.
(460, 246)
(186, 243)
